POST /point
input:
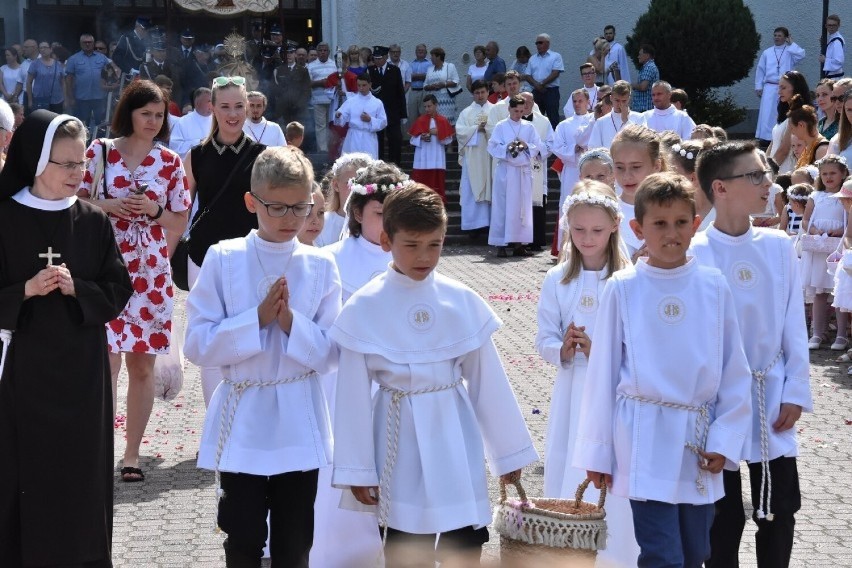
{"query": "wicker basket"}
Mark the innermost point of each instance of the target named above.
(549, 532)
(819, 243)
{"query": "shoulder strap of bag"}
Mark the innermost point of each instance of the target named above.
(221, 189)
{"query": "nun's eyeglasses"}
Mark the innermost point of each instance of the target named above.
(71, 167)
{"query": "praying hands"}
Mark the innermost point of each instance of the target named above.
(49, 279)
(276, 307)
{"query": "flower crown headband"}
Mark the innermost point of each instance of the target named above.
(833, 159)
(587, 198)
(796, 196)
(373, 188)
(678, 149)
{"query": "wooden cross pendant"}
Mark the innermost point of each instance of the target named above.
(49, 255)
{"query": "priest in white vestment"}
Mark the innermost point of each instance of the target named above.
(365, 116)
(193, 127)
(783, 56)
(257, 127)
(664, 116)
(513, 145)
(475, 161)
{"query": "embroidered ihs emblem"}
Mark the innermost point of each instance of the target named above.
(744, 275)
(671, 310)
(588, 302)
(421, 317)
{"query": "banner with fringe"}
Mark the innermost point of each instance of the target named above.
(228, 7)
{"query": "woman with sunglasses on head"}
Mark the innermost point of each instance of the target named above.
(221, 163)
(142, 188)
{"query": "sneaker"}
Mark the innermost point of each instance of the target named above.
(840, 344)
(815, 342)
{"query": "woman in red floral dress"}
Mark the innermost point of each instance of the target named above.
(143, 190)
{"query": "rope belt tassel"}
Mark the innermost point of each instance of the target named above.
(229, 411)
(702, 427)
(392, 429)
(764, 509)
(6, 338)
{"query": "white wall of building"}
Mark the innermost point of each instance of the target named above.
(458, 26)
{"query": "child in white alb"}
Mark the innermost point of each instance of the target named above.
(360, 256)
(344, 168)
(670, 403)
(567, 309)
(760, 267)
(415, 452)
(260, 310)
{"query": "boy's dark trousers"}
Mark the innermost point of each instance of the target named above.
(774, 539)
(289, 500)
(419, 550)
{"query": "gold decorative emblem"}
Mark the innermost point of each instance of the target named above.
(421, 317)
(671, 310)
(744, 275)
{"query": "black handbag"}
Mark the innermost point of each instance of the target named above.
(180, 259)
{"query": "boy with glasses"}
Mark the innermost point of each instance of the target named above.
(761, 268)
(267, 428)
(587, 75)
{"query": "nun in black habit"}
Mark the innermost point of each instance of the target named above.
(62, 279)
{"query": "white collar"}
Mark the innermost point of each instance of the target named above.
(668, 112)
(26, 198)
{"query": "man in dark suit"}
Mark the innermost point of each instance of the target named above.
(388, 88)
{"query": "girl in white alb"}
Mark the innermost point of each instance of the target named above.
(567, 310)
(636, 155)
(342, 171)
(824, 215)
(359, 256)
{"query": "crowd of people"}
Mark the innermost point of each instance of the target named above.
(327, 341)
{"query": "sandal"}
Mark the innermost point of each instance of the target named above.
(132, 475)
(840, 344)
(845, 358)
(815, 342)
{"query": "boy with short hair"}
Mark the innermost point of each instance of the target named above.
(294, 134)
(261, 309)
(430, 135)
(762, 270)
(365, 116)
(416, 450)
(669, 407)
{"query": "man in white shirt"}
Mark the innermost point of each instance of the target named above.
(606, 127)
(833, 57)
(587, 74)
(544, 69)
(29, 50)
(395, 53)
(319, 71)
(257, 127)
(194, 126)
(773, 63)
(664, 116)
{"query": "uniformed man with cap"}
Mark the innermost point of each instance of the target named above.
(389, 88)
(292, 87)
(130, 50)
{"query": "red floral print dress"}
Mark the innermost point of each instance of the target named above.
(145, 325)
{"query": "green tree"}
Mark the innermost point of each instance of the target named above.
(700, 45)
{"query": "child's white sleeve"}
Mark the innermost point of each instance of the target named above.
(354, 450)
(732, 423)
(308, 343)
(593, 450)
(508, 445)
(213, 338)
(794, 341)
(379, 121)
(551, 328)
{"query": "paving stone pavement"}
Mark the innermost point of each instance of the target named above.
(168, 520)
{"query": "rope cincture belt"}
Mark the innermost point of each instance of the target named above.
(764, 510)
(392, 427)
(229, 411)
(702, 426)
